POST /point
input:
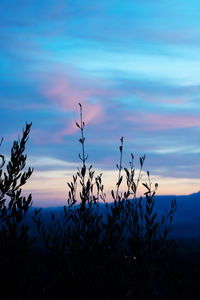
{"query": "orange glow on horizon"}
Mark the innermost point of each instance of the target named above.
(49, 188)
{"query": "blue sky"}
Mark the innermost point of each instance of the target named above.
(134, 66)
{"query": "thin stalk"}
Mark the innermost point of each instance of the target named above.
(131, 173)
(82, 135)
(139, 176)
(138, 180)
(149, 183)
(120, 168)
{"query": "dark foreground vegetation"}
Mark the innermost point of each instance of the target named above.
(125, 253)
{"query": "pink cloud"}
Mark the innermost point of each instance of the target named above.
(93, 115)
(66, 92)
(162, 122)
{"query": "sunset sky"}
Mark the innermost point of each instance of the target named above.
(134, 66)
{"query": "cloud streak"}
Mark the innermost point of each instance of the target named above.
(133, 67)
(65, 92)
(159, 122)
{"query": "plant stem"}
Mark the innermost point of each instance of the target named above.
(82, 136)
(120, 167)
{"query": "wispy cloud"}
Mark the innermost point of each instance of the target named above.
(159, 122)
(134, 67)
(65, 92)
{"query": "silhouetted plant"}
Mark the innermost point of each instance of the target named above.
(149, 248)
(127, 244)
(119, 250)
(14, 206)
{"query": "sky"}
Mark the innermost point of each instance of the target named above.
(135, 68)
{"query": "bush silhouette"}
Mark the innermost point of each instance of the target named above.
(122, 251)
(96, 249)
(14, 206)
(14, 233)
